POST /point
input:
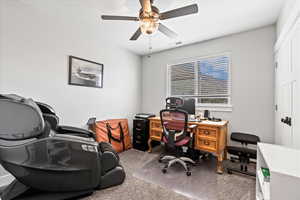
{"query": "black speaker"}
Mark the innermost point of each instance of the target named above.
(206, 114)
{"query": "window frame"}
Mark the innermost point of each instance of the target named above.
(213, 107)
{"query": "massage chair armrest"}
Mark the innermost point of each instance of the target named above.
(75, 131)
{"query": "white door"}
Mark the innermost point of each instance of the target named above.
(295, 65)
(283, 96)
(285, 110)
(277, 111)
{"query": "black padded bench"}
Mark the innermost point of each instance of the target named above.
(244, 153)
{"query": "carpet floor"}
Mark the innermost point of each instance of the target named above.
(144, 181)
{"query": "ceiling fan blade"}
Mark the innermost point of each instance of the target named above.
(168, 32)
(113, 17)
(136, 35)
(187, 10)
(146, 5)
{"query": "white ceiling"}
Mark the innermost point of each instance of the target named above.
(216, 18)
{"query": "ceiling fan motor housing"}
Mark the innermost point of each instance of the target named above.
(153, 14)
(149, 21)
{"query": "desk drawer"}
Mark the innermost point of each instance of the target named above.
(155, 124)
(155, 135)
(208, 132)
(206, 144)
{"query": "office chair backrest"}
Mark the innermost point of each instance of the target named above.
(174, 123)
(174, 102)
(19, 118)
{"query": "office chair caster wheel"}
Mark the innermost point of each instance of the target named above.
(188, 173)
(164, 170)
(229, 171)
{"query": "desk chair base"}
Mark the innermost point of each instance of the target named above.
(181, 160)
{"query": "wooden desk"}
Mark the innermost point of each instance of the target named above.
(209, 136)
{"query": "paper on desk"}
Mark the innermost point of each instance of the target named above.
(214, 123)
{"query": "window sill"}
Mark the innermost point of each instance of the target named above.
(215, 108)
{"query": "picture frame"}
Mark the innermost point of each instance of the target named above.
(85, 73)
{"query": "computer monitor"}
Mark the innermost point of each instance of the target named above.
(189, 106)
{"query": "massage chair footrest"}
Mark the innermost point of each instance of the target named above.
(109, 158)
(113, 177)
(112, 172)
(18, 191)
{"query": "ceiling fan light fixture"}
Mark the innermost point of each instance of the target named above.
(149, 26)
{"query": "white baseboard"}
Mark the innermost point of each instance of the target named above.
(6, 179)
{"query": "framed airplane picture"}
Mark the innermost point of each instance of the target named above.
(85, 72)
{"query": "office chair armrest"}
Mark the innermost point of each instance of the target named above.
(75, 131)
(192, 126)
(191, 129)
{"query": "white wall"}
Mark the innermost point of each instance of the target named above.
(34, 47)
(252, 78)
(36, 43)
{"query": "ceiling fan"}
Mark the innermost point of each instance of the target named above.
(150, 17)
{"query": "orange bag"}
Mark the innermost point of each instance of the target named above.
(114, 131)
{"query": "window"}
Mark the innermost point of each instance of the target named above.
(206, 79)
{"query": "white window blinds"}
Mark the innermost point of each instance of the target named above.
(183, 79)
(205, 79)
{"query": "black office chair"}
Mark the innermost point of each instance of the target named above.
(51, 162)
(174, 102)
(175, 136)
(243, 153)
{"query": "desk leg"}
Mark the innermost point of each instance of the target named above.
(150, 145)
(220, 169)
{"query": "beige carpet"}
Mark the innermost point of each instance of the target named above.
(144, 181)
(134, 188)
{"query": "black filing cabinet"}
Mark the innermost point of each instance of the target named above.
(140, 134)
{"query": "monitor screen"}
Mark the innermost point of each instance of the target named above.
(189, 106)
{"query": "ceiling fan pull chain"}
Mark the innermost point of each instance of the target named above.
(150, 45)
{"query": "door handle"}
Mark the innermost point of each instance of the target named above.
(287, 120)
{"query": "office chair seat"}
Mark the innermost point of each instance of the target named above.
(182, 142)
(242, 151)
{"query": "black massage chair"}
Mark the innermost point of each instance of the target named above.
(48, 161)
